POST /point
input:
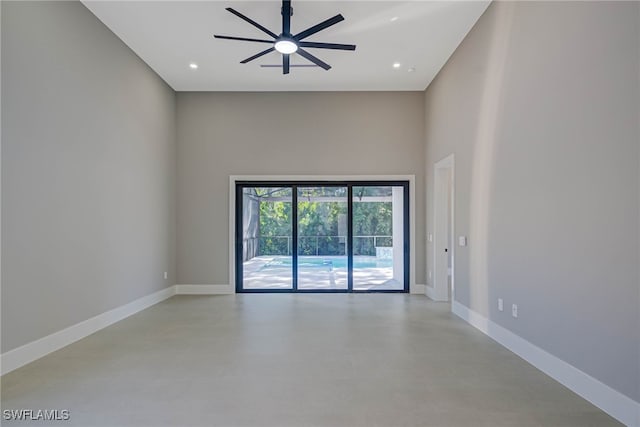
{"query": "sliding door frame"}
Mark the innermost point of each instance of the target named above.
(237, 189)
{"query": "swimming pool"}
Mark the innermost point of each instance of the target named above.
(359, 262)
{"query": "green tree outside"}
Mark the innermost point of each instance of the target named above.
(318, 221)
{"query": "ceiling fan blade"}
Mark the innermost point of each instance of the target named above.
(319, 27)
(286, 16)
(285, 64)
(252, 22)
(257, 55)
(244, 39)
(328, 45)
(313, 59)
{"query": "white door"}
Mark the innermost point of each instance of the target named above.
(443, 242)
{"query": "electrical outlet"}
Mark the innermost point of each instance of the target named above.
(514, 310)
(166, 275)
(500, 304)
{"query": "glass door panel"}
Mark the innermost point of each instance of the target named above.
(378, 238)
(267, 235)
(322, 237)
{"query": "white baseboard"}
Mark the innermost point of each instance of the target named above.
(417, 289)
(204, 290)
(614, 403)
(14, 359)
(430, 292)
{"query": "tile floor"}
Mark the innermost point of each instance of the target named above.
(294, 360)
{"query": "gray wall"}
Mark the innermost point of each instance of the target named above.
(222, 134)
(88, 171)
(540, 105)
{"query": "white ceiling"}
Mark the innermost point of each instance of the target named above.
(168, 35)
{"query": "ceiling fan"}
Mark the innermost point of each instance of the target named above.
(288, 43)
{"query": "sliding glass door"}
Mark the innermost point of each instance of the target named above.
(322, 236)
(378, 238)
(267, 234)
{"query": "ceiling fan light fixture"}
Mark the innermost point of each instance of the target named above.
(286, 46)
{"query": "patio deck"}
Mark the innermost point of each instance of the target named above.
(317, 273)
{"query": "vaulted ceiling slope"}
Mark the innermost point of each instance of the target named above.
(170, 35)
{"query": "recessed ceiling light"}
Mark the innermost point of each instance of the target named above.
(394, 19)
(193, 66)
(411, 70)
(396, 65)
